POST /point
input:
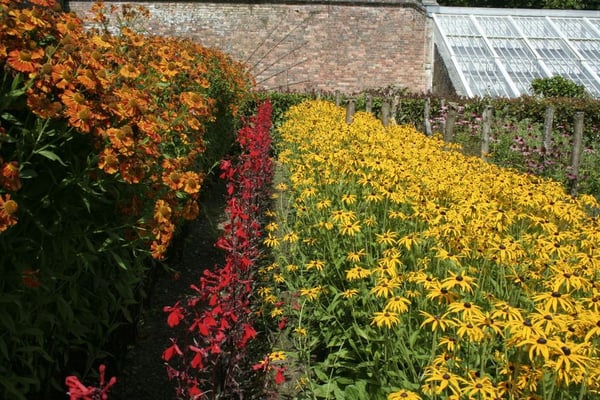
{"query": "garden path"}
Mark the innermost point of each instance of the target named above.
(143, 374)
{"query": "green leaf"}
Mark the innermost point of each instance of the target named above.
(119, 260)
(51, 156)
(7, 321)
(28, 174)
(4, 349)
(323, 377)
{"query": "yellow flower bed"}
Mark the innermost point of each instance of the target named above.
(413, 271)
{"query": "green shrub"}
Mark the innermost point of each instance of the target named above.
(557, 86)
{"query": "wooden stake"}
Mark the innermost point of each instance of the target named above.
(577, 148)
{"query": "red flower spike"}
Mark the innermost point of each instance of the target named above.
(218, 314)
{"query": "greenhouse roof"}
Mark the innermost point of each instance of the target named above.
(498, 52)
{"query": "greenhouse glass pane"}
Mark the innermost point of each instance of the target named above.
(533, 27)
(553, 49)
(469, 47)
(573, 28)
(497, 27)
(498, 52)
(595, 22)
(589, 49)
(511, 48)
(458, 25)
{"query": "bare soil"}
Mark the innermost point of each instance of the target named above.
(142, 373)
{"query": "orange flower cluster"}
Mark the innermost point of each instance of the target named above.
(146, 100)
(9, 181)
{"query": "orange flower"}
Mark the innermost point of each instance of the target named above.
(109, 162)
(190, 210)
(25, 60)
(121, 139)
(129, 71)
(63, 76)
(168, 68)
(45, 3)
(23, 20)
(162, 212)
(8, 210)
(68, 24)
(158, 250)
(87, 78)
(73, 99)
(192, 99)
(9, 177)
(173, 180)
(132, 170)
(81, 118)
(191, 182)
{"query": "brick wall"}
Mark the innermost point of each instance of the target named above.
(309, 45)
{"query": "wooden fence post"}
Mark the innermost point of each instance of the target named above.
(450, 121)
(394, 109)
(385, 113)
(485, 132)
(338, 98)
(369, 104)
(577, 148)
(427, 116)
(548, 120)
(350, 109)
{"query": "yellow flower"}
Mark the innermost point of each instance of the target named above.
(403, 395)
(553, 301)
(311, 293)
(357, 272)
(349, 199)
(537, 346)
(437, 322)
(322, 204)
(385, 318)
(388, 237)
(350, 228)
(441, 379)
(480, 388)
(347, 294)
(291, 267)
(355, 256)
(276, 312)
(466, 309)
(300, 331)
(397, 304)
(384, 288)
(271, 227)
(290, 237)
(461, 281)
(277, 356)
(473, 332)
(271, 241)
(316, 264)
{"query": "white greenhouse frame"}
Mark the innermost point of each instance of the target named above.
(498, 52)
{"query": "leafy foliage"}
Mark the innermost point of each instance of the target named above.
(557, 86)
(102, 156)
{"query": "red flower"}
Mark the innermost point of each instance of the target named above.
(171, 351)
(279, 376)
(175, 314)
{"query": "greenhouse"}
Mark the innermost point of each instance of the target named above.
(498, 52)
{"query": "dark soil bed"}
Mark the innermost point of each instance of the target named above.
(142, 374)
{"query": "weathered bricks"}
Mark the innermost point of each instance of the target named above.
(308, 45)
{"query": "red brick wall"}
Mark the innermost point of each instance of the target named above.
(303, 45)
